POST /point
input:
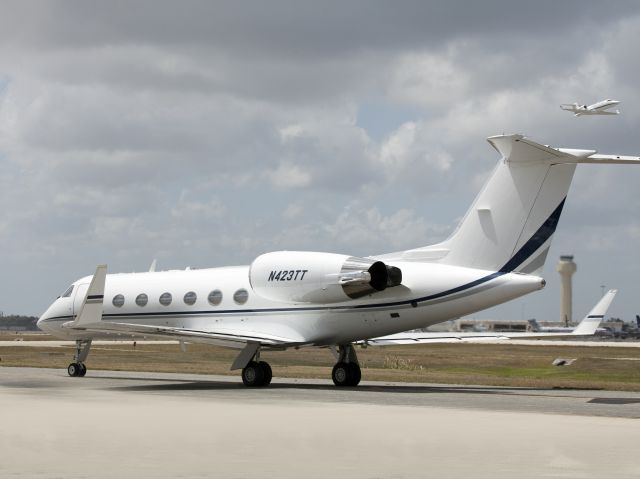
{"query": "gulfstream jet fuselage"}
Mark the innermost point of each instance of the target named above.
(292, 298)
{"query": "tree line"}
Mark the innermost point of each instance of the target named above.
(16, 321)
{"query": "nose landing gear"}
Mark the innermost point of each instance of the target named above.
(77, 368)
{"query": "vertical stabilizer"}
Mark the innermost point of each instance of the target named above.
(510, 225)
(534, 326)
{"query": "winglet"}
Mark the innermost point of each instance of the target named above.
(592, 320)
(91, 309)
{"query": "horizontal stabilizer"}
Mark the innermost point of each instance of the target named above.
(519, 149)
(603, 159)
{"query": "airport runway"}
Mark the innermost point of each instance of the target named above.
(122, 424)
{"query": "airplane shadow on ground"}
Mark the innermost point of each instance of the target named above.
(176, 385)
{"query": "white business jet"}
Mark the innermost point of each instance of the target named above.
(600, 108)
(290, 299)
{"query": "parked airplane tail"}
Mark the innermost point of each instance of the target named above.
(510, 225)
(638, 320)
(533, 325)
(590, 323)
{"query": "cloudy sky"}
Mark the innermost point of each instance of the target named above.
(206, 133)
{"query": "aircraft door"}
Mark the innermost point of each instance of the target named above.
(81, 292)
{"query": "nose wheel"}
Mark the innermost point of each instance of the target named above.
(77, 370)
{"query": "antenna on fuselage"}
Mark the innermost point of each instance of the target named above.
(152, 268)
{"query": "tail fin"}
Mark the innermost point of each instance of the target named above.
(591, 322)
(638, 320)
(533, 325)
(510, 225)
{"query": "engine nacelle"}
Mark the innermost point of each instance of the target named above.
(307, 277)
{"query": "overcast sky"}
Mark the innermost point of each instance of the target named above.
(206, 133)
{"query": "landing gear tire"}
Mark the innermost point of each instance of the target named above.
(76, 369)
(346, 374)
(356, 374)
(253, 375)
(268, 374)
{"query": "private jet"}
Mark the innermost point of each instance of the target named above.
(600, 108)
(297, 299)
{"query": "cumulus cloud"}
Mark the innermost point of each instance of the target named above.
(204, 134)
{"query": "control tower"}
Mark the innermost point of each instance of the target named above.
(566, 268)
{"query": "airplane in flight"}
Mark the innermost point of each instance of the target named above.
(295, 299)
(599, 108)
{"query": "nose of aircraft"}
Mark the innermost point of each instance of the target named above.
(42, 321)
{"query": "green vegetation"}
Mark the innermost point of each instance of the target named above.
(17, 322)
(597, 367)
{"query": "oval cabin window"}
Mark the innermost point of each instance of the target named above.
(215, 297)
(190, 298)
(165, 299)
(241, 296)
(142, 299)
(118, 300)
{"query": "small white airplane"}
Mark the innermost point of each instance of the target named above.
(537, 328)
(600, 108)
(587, 327)
(290, 299)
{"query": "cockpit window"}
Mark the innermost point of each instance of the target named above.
(68, 292)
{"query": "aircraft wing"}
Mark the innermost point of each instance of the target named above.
(226, 337)
(569, 107)
(602, 108)
(586, 327)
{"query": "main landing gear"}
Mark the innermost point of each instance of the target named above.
(77, 368)
(346, 372)
(255, 373)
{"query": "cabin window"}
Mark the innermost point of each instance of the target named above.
(241, 296)
(142, 299)
(165, 299)
(215, 297)
(68, 292)
(118, 300)
(190, 298)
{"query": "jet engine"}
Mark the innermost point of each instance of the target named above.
(308, 277)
